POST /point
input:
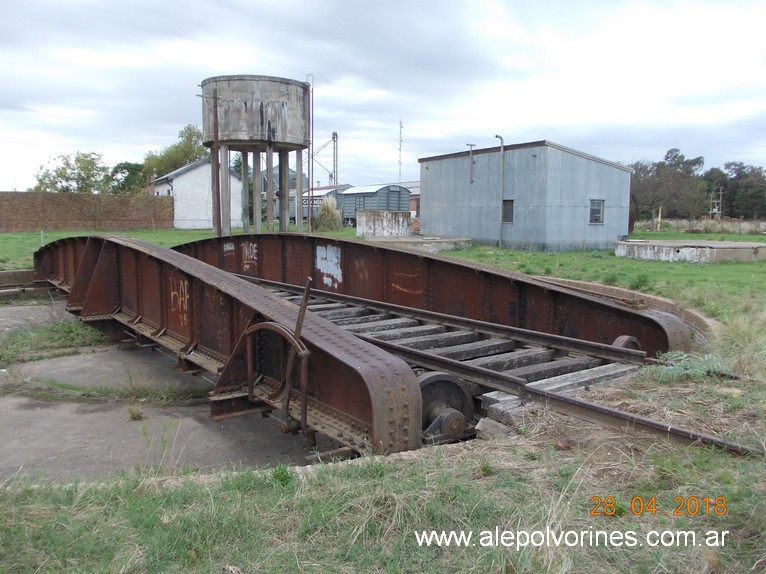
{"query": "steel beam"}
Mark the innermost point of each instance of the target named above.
(441, 285)
(244, 336)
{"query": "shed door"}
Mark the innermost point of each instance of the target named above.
(393, 199)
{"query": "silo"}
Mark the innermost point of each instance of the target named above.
(259, 114)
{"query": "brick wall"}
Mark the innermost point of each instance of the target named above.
(24, 211)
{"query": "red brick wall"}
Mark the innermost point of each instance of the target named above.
(26, 211)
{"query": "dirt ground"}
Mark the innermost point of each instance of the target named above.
(68, 441)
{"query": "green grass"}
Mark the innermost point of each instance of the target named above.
(17, 249)
(30, 344)
(132, 392)
(363, 517)
(719, 289)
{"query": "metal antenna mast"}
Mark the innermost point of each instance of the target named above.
(470, 160)
(334, 158)
(401, 127)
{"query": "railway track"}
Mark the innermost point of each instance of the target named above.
(458, 360)
(370, 373)
(467, 365)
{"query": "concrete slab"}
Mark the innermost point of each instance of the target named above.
(423, 243)
(15, 317)
(113, 366)
(66, 442)
(69, 441)
(694, 250)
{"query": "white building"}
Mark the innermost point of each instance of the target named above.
(191, 188)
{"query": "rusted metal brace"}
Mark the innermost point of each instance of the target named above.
(303, 356)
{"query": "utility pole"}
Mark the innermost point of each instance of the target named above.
(401, 127)
(334, 159)
(502, 187)
(720, 203)
(310, 140)
(470, 160)
(216, 165)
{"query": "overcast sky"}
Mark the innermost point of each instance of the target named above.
(623, 80)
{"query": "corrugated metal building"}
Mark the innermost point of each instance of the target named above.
(375, 197)
(537, 195)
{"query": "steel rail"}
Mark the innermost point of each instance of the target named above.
(600, 350)
(516, 385)
(419, 280)
(561, 402)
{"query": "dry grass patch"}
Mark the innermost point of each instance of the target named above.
(732, 409)
(742, 344)
(363, 515)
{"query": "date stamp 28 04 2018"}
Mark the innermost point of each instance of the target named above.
(682, 506)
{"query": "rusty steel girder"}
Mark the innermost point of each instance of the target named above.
(433, 283)
(266, 353)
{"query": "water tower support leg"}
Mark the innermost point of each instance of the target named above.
(225, 190)
(284, 189)
(299, 190)
(257, 191)
(245, 189)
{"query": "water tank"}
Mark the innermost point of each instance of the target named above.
(256, 110)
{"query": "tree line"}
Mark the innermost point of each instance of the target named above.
(82, 172)
(682, 190)
(677, 185)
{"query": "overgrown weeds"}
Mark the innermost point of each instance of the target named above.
(742, 344)
(135, 412)
(681, 367)
(37, 342)
(328, 216)
(134, 392)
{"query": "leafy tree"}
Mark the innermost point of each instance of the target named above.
(236, 163)
(127, 178)
(684, 196)
(186, 150)
(675, 160)
(749, 189)
(646, 193)
(74, 173)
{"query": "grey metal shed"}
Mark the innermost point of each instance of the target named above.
(538, 195)
(388, 197)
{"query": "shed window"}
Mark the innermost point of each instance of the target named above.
(507, 211)
(596, 211)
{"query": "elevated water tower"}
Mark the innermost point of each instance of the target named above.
(259, 115)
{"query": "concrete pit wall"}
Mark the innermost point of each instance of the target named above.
(699, 251)
(382, 223)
